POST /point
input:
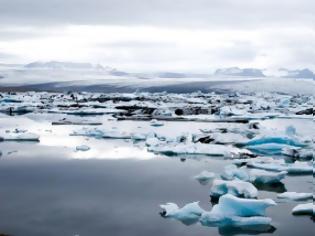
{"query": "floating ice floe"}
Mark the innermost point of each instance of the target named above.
(294, 196)
(231, 172)
(304, 209)
(82, 148)
(266, 177)
(297, 167)
(230, 211)
(235, 187)
(271, 145)
(205, 177)
(75, 122)
(31, 137)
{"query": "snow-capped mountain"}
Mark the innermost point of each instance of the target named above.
(303, 73)
(236, 71)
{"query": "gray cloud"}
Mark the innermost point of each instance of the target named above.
(178, 13)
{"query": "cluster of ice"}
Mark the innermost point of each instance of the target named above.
(230, 210)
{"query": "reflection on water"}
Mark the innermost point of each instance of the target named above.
(115, 188)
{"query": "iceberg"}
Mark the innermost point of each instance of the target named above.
(294, 196)
(304, 209)
(205, 177)
(231, 172)
(235, 187)
(188, 214)
(234, 211)
(230, 211)
(266, 177)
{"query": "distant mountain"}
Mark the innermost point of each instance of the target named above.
(235, 71)
(304, 73)
(61, 65)
(116, 72)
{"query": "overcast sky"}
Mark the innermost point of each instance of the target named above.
(151, 35)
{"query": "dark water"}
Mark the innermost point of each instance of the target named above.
(42, 192)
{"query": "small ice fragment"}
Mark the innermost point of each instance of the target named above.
(294, 196)
(156, 123)
(82, 148)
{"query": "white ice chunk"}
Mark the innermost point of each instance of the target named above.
(235, 187)
(304, 209)
(294, 196)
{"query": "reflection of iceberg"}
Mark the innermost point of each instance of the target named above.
(205, 177)
(235, 187)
